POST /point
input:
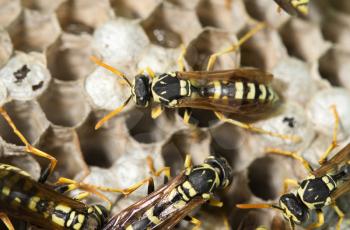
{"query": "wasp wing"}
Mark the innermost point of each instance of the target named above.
(341, 190)
(179, 214)
(335, 163)
(249, 74)
(136, 210)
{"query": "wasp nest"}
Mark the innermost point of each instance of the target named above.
(55, 94)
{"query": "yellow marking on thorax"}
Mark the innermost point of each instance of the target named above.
(190, 188)
(252, 91)
(329, 184)
(17, 200)
(263, 92)
(32, 203)
(272, 93)
(239, 90)
(180, 204)
(129, 228)
(217, 89)
(151, 217)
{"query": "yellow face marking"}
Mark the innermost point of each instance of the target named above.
(190, 188)
(151, 217)
(263, 92)
(239, 90)
(217, 89)
(252, 91)
(32, 203)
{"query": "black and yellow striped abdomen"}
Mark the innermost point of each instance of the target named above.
(25, 199)
(242, 91)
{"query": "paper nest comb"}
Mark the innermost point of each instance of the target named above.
(63, 94)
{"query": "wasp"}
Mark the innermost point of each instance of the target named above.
(294, 7)
(242, 92)
(45, 205)
(167, 206)
(321, 188)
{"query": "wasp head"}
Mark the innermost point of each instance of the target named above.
(293, 208)
(141, 90)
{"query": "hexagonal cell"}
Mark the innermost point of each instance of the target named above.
(336, 27)
(6, 47)
(29, 119)
(25, 76)
(266, 11)
(165, 26)
(217, 13)
(334, 66)
(42, 5)
(82, 16)
(63, 144)
(208, 42)
(187, 141)
(144, 129)
(35, 31)
(69, 58)
(103, 146)
(59, 97)
(134, 9)
(185, 3)
(263, 50)
(307, 46)
(265, 177)
(9, 12)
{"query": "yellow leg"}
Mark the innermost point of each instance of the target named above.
(28, 147)
(157, 111)
(294, 155)
(289, 182)
(216, 203)
(81, 196)
(112, 114)
(222, 117)
(340, 215)
(301, 5)
(149, 71)
(334, 143)
(188, 161)
(197, 223)
(180, 60)
(226, 222)
(320, 221)
(165, 170)
(4, 218)
(234, 47)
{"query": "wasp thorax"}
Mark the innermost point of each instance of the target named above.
(141, 90)
(223, 168)
(293, 208)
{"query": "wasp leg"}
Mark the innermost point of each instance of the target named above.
(4, 218)
(157, 111)
(29, 148)
(226, 222)
(234, 47)
(301, 5)
(340, 214)
(81, 196)
(289, 182)
(216, 203)
(149, 71)
(154, 172)
(243, 125)
(188, 161)
(180, 60)
(187, 117)
(334, 143)
(320, 220)
(197, 223)
(294, 155)
(112, 114)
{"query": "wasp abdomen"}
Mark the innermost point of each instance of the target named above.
(239, 90)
